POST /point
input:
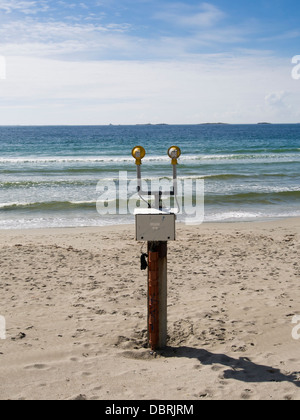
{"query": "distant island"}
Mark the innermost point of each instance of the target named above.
(263, 123)
(152, 124)
(217, 123)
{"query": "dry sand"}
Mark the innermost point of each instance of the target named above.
(75, 307)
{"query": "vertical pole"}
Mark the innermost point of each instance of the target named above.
(153, 296)
(139, 177)
(157, 294)
(163, 284)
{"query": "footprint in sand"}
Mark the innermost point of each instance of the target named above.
(38, 366)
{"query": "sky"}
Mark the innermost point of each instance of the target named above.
(149, 61)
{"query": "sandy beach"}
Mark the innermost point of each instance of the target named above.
(75, 305)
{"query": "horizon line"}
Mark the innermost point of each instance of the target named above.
(143, 124)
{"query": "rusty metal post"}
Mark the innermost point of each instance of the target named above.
(157, 294)
(153, 296)
(163, 284)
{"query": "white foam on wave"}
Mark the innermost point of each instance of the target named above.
(240, 216)
(287, 157)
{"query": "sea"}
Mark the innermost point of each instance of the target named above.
(55, 176)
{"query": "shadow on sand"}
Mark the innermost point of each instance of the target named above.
(241, 369)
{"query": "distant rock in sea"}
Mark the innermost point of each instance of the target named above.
(217, 123)
(153, 124)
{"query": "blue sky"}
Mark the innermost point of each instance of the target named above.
(127, 61)
(150, 29)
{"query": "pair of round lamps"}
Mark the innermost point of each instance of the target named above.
(139, 153)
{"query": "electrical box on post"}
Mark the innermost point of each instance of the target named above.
(155, 227)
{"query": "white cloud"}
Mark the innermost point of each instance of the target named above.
(114, 76)
(65, 40)
(276, 99)
(201, 28)
(203, 15)
(26, 7)
(31, 30)
(210, 89)
(79, 41)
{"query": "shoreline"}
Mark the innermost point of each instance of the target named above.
(74, 300)
(130, 225)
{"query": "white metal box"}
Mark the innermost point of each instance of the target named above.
(155, 227)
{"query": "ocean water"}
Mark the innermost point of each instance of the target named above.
(49, 175)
